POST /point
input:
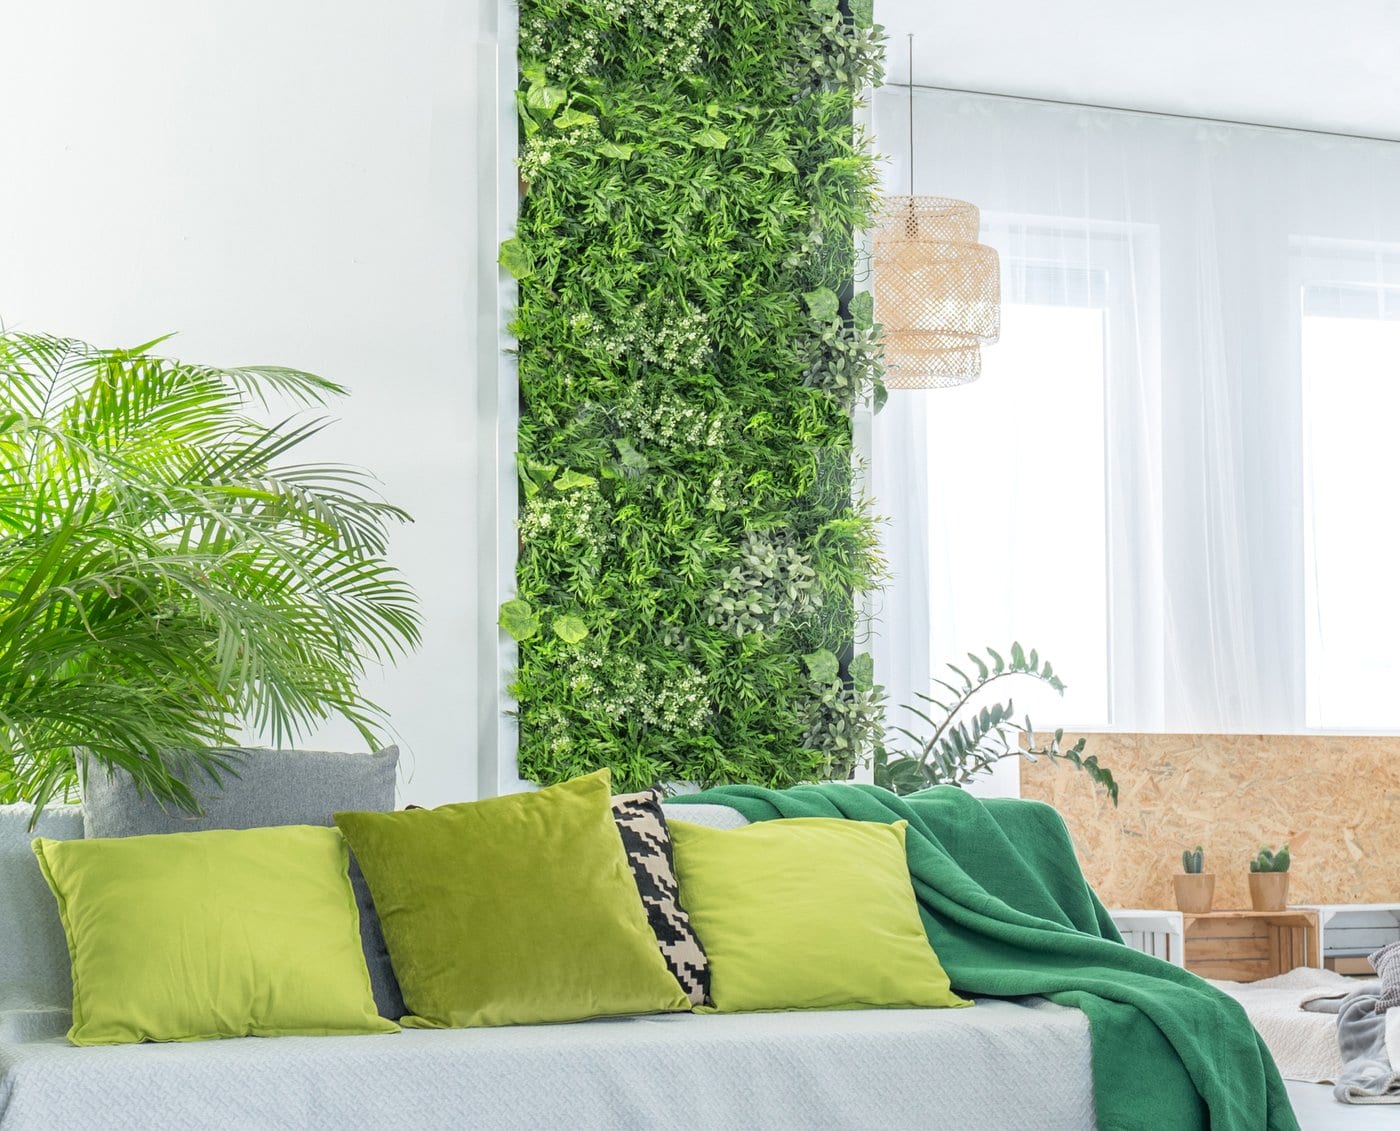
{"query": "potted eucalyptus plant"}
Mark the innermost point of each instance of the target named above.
(970, 735)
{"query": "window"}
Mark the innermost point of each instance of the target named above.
(1351, 544)
(1016, 476)
(1177, 476)
(1019, 492)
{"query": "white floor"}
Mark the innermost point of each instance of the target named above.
(1318, 1111)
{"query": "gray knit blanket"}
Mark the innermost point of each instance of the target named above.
(1368, 1036)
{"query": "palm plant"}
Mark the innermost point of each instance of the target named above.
(167, 576)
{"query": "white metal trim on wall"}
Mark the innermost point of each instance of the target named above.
(499, 398)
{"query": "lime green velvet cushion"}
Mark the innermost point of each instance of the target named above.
(809, 913)
(190, 936)
(512, 910)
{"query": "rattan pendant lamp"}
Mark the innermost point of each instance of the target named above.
(937, 290)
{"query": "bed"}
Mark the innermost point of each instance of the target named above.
(1005, 1064)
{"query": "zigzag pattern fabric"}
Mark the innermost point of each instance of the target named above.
(647, 841)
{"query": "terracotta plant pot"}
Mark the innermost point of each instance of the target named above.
(1194, 892)
(1268, 891)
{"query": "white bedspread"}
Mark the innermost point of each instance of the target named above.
(1304, 1045)
(999, 1065)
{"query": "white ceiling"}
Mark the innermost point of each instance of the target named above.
(1302, 63)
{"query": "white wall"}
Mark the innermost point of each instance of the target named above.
(312, 184)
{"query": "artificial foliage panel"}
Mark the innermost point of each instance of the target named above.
(691, 550)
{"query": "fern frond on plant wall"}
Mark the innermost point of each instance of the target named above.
(691, 545)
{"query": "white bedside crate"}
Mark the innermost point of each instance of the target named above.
(1158, 933)
(1355, 930)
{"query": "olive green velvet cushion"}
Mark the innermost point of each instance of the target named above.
(808, 913)
(512, 910)
(190, 936)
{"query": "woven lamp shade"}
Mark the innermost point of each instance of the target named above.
(937, 291)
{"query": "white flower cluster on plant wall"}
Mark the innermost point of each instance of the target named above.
(574, 57)
(578, 517)
(624, 689)
(674, 336)
(679, 28)
(541, 149)
(664, 419)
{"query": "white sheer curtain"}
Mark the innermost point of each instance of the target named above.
(1176, 477)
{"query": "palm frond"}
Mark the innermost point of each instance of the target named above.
(168, 575)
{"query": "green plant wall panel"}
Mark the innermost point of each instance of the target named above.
(691, 548)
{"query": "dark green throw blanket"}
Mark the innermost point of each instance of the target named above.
(1009, 914)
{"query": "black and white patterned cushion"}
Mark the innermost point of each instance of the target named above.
(648, 843)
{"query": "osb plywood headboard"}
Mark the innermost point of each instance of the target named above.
(1335, 800)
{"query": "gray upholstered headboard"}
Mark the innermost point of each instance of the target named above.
(34, 970)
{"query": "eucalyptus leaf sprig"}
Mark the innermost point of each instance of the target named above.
(965, 742)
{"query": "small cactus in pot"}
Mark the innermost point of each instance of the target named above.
(1268, 879)
(1195, 888)
(1269, 861)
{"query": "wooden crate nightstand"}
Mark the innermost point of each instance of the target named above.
(1244, 946)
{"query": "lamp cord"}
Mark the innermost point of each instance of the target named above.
(911, 114)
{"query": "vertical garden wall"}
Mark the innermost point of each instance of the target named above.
(691, 548)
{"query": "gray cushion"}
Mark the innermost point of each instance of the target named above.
(1386, 963)
(34, 968)
(713, 816)
(273, 787)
